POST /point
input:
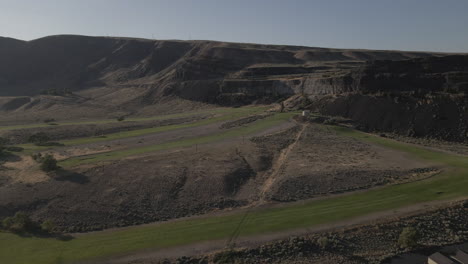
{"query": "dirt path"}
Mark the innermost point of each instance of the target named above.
(272, 176)
(277, 167)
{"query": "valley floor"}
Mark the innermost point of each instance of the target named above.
(191, 184)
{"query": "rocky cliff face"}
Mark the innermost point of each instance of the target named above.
(420, 97)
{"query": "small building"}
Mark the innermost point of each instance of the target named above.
(438, 258)
(461, 256)
(305, 113)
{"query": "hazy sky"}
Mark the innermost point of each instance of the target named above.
(433, 25)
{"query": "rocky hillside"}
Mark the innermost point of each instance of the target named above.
(69, 77)
(197, 70)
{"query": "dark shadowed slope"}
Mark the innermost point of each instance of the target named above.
(191, 69)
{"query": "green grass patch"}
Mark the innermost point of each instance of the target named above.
(450, 184)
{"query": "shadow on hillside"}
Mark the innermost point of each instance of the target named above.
(39, 234)
(70, 176)
(9, 157)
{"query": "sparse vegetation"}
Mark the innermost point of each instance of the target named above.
(305, 102)
(256, 126)
(19, 223)
(4, 141)
(49, 120)
(14, 148)
(326, 242)
(37, 157)
(48, 226)
(43, 140)
(56, 92)
(48, 163)
(323, 242)
(408, 238)
(38, 138)
(260, 221)
(2, 150)
(3, 146)
(228, 256)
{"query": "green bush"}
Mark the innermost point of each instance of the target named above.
(120, 118)
(48, 226)
(20, 222)
(48, 163)
(323, 242)
(408, 238)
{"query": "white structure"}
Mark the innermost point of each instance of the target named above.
(305, 113)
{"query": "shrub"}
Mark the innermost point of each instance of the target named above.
(49, 120)
(37, 157)
(120, 118)
(56, 92)
(20, 222)
(323, 242)
(49, 163)
(14, 149)
(48, 226)
(408, 238)
(4, 141)
(50, 144)
(38, 138)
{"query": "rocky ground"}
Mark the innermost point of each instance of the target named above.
(152, 187)
(200, 179)
(324, 162)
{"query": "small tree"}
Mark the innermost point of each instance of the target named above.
(49, 163)
(408, 238)
(121, 118)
